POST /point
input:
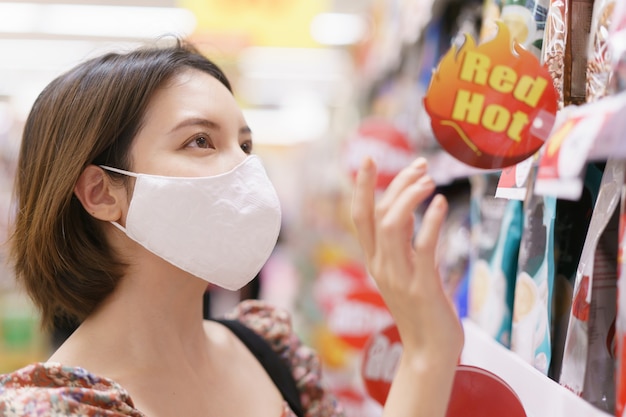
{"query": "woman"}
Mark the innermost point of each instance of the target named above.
(135, 186)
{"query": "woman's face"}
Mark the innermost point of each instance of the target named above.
(193, 127)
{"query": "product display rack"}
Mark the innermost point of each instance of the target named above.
(391, 89)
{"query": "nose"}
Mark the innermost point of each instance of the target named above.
(231, 158)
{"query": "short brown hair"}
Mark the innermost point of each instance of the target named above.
(88, 115)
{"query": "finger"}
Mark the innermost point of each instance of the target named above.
(363, 205)
(405, 178)
(428, 235)
(396, 233)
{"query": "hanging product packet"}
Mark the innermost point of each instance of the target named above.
(526, 20)
(454, 245)
(554, 42)
(598, 53)
(530, 337)
(620, 325)
(591, 131)
(617, 47)
(588, 132)
(496, 226)
(570, 229)
(513, 180)
(490, 14)
(588, 364)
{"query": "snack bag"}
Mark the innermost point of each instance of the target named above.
(588, 365)
(490, 14)
(620, 325)
(526, 20)
(530, 337)
(454, 245)
(570, 229)
(617, 47)
(554, 42)
(495, 232)
(598, 54)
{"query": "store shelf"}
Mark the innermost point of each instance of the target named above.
(541, 396)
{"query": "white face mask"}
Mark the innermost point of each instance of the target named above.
(221, 228)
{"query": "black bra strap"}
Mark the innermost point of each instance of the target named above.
(275, 367)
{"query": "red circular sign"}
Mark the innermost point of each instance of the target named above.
(475, 391)
(358, 315)
(381, 354)
(384, 143)
(335, 282)
(478, 392)
(491, 106)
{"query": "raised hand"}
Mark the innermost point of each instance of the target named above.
(405, 270)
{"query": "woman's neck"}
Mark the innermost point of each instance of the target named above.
(154, 316)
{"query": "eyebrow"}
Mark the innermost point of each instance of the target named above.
(198, 121)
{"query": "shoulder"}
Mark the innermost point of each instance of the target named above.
(275, 326)
(56, 390)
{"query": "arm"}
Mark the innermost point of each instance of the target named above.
(405, 271)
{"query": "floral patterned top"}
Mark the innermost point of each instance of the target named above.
(54, 390)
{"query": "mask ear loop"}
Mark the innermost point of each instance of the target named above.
(123, 172)
(119, 171)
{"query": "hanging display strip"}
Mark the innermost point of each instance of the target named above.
(591, 131)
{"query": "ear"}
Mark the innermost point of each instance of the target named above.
(99, 196)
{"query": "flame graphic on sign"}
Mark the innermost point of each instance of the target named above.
(491, 105)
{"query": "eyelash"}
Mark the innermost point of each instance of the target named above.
(206, 137)
(246, 146)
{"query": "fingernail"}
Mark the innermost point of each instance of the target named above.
(425, 180)
(439, 201)
(367, 164)
(420, 162)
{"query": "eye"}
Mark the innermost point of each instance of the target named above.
(202, 141)
(247, 147)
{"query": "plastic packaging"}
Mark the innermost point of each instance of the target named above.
(554, 42)
(527, 20)
(570, 229)
(598, 56)
(532, 304)
(588, 365)
(496, 233)
(620, 325)
(491, 13)
(617, 47)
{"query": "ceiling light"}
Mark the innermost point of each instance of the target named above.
(95, 20)
(338, 28)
